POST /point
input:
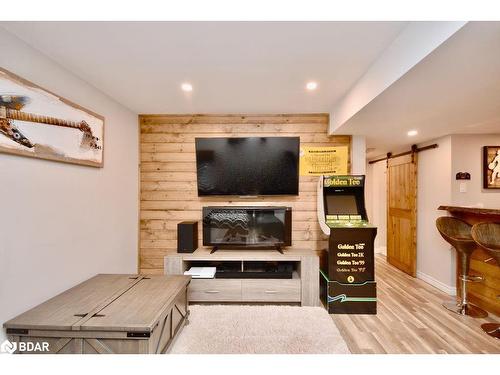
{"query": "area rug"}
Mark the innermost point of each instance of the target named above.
(230, 329)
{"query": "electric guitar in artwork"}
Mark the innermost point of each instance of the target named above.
(10, 109)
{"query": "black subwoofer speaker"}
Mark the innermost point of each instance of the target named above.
(187, 236)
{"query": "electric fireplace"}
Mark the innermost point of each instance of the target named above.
(247, 227)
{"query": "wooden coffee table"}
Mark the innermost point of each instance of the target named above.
(106, 314)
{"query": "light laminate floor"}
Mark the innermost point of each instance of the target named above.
(411, 319)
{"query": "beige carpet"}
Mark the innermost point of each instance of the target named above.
(231, 329)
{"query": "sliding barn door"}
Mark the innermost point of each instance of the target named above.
(402, 213)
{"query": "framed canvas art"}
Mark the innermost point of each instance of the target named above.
(37, 123)
(491, 167)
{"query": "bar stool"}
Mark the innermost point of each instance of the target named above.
(487, 236)
(458, 234)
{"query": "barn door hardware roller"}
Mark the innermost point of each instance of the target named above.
(412, 152)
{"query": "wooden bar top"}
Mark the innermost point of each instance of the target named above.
(470, 210)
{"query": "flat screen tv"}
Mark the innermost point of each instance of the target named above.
(248, 166)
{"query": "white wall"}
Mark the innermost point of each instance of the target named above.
(358, 155)
(467, 151)
(62, 223)
(376, 203)
(435, 258)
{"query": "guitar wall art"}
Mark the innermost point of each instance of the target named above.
(37, 123)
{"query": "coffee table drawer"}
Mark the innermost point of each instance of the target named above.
(207, 290)
(271, 290)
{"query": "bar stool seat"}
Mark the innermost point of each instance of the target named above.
(458, 234)
(487, 236)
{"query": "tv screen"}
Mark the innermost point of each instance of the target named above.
(248, 166)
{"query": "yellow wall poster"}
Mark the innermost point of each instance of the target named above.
(315, 161)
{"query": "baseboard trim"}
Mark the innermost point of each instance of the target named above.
(450, 290)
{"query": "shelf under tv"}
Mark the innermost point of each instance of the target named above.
(302, 287)
(278, 248)
(249, 269)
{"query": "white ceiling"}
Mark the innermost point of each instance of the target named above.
(235, 67)
(455, 89)
(262, 67)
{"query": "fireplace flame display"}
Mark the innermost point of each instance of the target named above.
(247, 227)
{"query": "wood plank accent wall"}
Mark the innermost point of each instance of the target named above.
(168, 176)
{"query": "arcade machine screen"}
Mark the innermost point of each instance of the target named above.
(341, 205)
(345, 205)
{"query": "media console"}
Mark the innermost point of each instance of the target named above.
(297, 283)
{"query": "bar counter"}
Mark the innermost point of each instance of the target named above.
(483, 294)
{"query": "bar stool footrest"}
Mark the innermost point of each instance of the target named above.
(468, 309)
(471, 278)
(492, 329)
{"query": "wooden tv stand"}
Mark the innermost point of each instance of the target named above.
(303, 288)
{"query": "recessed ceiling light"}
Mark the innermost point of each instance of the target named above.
(311, 85)
(412, 133)
(187, 87)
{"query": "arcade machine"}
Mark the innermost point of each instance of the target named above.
(347, 278)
